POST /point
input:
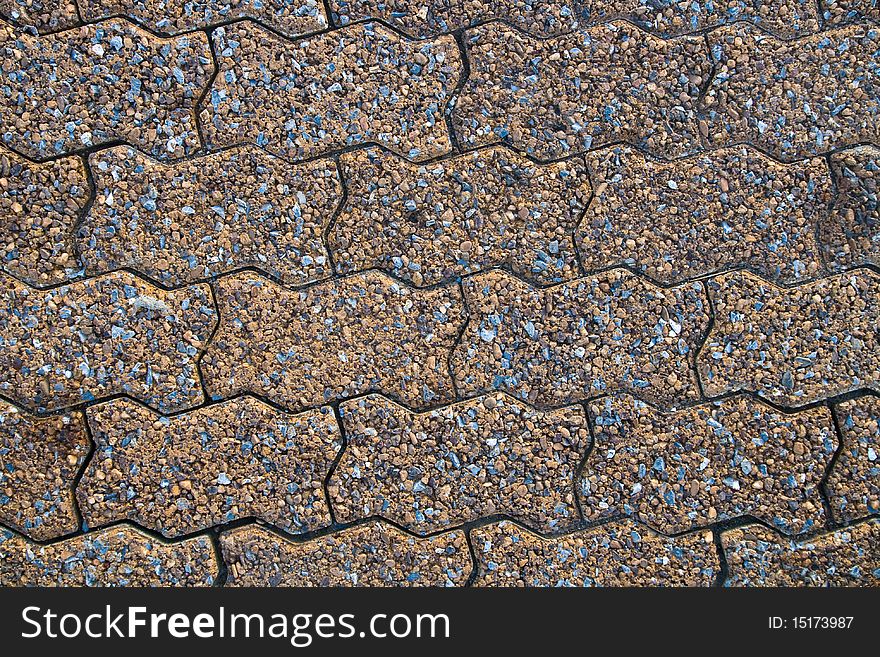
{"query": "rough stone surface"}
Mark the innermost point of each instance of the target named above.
(793, 99)
(354, 335)
(757, 556)
(105, 336)
(372, 554)
(40, 205)
(428, 223)
(42, 15)
(851, 232)
(685, 219)
(562, 96)
(615, 554)
(101, 83)
(359, 84)
(847, 11)
(854, 482)
(713, 462)
(614, 331)
(117, 556)
(462, 462)
(39, 459)
(206, 216)
(178, 475)
(793, 346)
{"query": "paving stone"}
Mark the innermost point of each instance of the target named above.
(430, 223)
(39, 207)
(846, 11)
(793, 346)
(472, 459)
(42, 15)
(705, 464)
(206, 216)
(558, 345)
(854, 481)
(39, 459)
(290, 17)
(105, 336)
(851, 232)
(557, 97)
(757, 556)
(181, 474)
(793, 99)
(98, 84)
(688, 218)
(621, 553)
(116, 556)
(356, 85)
(337, 339)
(371, 554)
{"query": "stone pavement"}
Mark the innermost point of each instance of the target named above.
(440, 293)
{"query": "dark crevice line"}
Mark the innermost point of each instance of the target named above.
(463, 79)
(831, 522)
(203, 349)
(332, 469)
(328, 11)
(701, 344)
(341, 206)
(723, 567)
(222, 567)
(209, 85)
(475, 563)
(576, 227)
(81, 472)
(578, 474)
(457, 342)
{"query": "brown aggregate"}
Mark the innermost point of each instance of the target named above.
(178, 475)
(192, 220)
(850, 234)
(757, 556)
(621, 553)
(103, 336)
(371, 554)
(41, 15)
(854, 481)
(39, 459)
(685, 219)
(40, 205)
(713, 462)
(472, 459)
(429, 223)
(793, 346)
(846, 11)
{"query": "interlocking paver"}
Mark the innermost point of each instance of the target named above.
(109, 335)
(101, 83)
(39, 459)
(793, 346)
(557, 345)
(429, 223)
(850, 233)
(688, 218)
(206, 216)
(622, 553)
(290, 17)
(687, 469)
(847, 11)
(854, 481)
(42, 15)
(476, 458)
(572, 93)
(363, 83)
(371, 554)
(796, 98)
(40, 205)
(178, 475)
(757, 556)
(116, 556)
(353, 335)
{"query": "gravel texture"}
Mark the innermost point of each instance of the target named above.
(724, 209)
(39, 459)
(793, 346)
(371, 554)
(428, 471)
(757, 556)
(846, 11)
(429, 223)
(40, 15)
(183, 222)
(851, 232)
(710, 463)
(582, 339)
(118, 556)
(615, 554)
(185, 473)
(854, 482)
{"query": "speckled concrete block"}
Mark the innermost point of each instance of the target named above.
(851, 232)
(854, 482)
(621, 553)
(847, 11)
(471, 459)
(683, 470)
(371, 554)
(42, 15)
